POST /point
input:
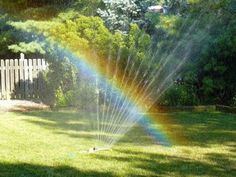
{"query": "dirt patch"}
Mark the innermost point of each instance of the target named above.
(21, 106)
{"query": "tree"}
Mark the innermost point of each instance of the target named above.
(6, 35)
(120, 13)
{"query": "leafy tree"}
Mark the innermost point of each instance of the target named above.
(217, 81)
(208, 75)
(119, 14)
(179, 95)
(7, 36)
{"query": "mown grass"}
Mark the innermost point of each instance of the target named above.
(52, 144)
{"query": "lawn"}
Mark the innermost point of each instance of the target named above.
(50, 144)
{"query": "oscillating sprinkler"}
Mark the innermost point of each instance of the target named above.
(97, 149)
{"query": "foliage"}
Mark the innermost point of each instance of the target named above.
(218, 69)
(60, 98)
(214, 69)
(78, 34)
(179, 95)
(47, 9)
(138, 42)
(32, 47)
(7, 35)
(120, 13)
(210, 71)
(59, 81)
(84, 35)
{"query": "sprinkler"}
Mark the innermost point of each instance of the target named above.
(97, 149)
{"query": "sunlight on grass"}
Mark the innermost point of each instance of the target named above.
(54, 144)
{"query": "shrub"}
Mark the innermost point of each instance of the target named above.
(58, 83)
(60, 98)
(179, 95)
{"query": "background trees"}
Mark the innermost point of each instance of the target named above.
(108, 27)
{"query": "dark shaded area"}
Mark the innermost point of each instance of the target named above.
(20, 5)
(60, 121)
(205, 129)
(46, 9)
(159, 164)
(25, 89)
(163, 165)
(223, 160)
(30, 170)
(226, 109)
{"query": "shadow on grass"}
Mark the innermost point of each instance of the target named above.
(30, 170)
(204, 129)
(60, 120)
(225, 161)
(166, 165)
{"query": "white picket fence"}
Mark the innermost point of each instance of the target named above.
(19, 78)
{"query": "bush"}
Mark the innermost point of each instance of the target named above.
(179, 95)
(60, 98)
(58, 83)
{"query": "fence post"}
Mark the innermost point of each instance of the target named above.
(12, 83)
(22, 85)
(22, 56)
(30, 79)
(3, 82)
(17, 78)
(26, 79)
(7, 80)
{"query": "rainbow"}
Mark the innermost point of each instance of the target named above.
(161, 133)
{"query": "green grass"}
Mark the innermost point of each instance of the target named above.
(50, 144)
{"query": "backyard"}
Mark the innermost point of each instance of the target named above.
(56, 144)
(117, 88)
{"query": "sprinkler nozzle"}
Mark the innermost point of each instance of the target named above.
(96, 149)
